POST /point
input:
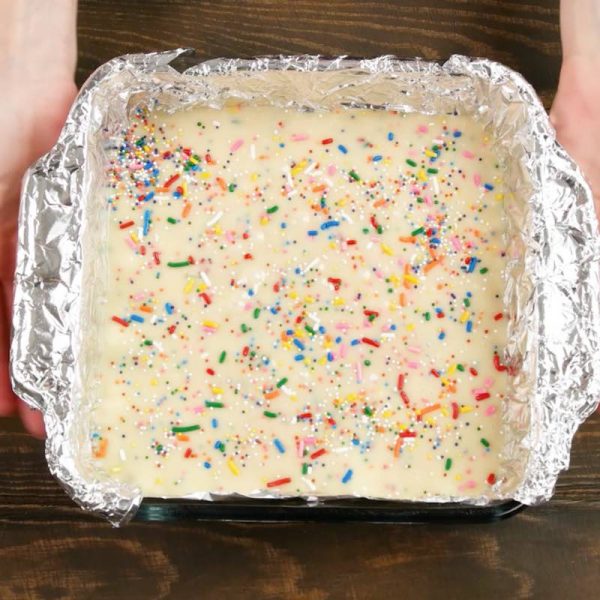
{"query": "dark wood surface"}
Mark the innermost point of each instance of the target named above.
(50, 549)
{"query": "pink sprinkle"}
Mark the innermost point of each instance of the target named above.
(331, 170)
(487, 383)
(468, 154)
(198, 409)
(415, 189)
(208, 329)
(428, 200)
(299, 137)
(236, 145)
(477, 179)
(412, 364)
(130, 243)
(309, 441)
(343, 351)
(136, 166)
(414, 349)
(342, 326)
(490, 410)
(379, 274)
(455, 243)
(229, 236)
(477, 391)
(139, 296)
(358, 368)
(470, 484)
(300, 448)
(248, 306)
(422, 129)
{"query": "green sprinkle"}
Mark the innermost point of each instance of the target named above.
(147, 342)
(432, 170)
(310, 329)
(368, 411)
(185, 428)
(159, 448)
(304, 468)
(244, 328)
(460, 368)
(270, 414)
(231, 187)
(272, 210)
(484, 270)
(282, 382)
(372, 318)
(467, 302)
(411, 162)
(172, 220)
(427, 316)
(379, 229)
(213, 404)
(183, 263)
(418, 231)
(354, 175)
(448, 464)
(222, 357)
(485, 442)
(256, 313)
(367, 363)
(420, 200)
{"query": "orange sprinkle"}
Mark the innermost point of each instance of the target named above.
(430, 266)
(427, 410)
(182, 437)
(271, 395)
(100, 452)
(402, 299)
(397, 446)
(222, 183)
(146, 308)
(408, 239)
(319, 188)
(379, 203)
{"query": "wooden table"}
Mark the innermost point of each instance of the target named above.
(50, 549)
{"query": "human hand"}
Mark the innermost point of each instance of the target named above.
(37, 60)
(575, 115)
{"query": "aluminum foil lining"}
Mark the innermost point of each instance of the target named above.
(552, 278)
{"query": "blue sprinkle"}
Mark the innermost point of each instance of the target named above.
(207, 465)
(377, 158)
(390, 136)
(274, 310)
(146, 225)
(298, 344)
(457, 134)
(338, 339)
(435, 241)
(355, 442)
(322, 329)
(488, 186)
(277, 443)
(355, 342)
(469, 326)
(149, 196)
(313, 232)
(137, 318)
(250, 292)
(343, 149)
(176, 194)
(214, 423)
(469, 294)
(330, 356)
(169, 308)
(393, 327)
(299, 357)
(347, 476)
(283, 225)
(266, 360)
(297, 270)
(289, 332)
(442, 335)
(472, 264)
(219, 445)
(329, 224)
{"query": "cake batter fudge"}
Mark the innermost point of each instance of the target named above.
(301, 304)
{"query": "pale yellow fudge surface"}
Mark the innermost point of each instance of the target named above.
(301, 303)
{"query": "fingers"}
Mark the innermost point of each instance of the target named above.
(32, 420)
(8, 401)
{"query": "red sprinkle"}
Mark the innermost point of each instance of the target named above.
(482, 396)
(120, 321)
(248, 256)
(188, 453)
(336, 282)
(405, 398)
(206, 298)
(371, 342)
(434, 373)
(171, 180)
(156, 258)
(408, 434)
(351, 242)
(245, 351)
(210, 371)
(126, 224)
(306, 415)
(277, 482)
(400, 383)
(327, 141)
(171, 329)
(318, 453)
(498, 316)
(491, 479)
(455, 410)
(499, 367)
(473, 372)
(374, 223)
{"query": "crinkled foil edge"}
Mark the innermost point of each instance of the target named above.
(552, 277)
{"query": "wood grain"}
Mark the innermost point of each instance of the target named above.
(50, 549)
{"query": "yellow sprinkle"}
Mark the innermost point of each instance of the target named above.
(293, 294)
(264, 220)
(232, 467)
(429, 153)
(322, 360)
(342, 202)
(410, 278)
(254, 177)
(202, 287)
(158, 481)
(189, 285)
(217, 391)
(134, 237)
(351, 397)
(464, 317)
(499, 196)
(298, 168)
(466, 409)
(338, 301)
(394, 279)
(205, 175)
(444, 381)
(115, 470)
(458, 477)
(410, 326)
(387, 414)
(154, 381)
(210, 324)
(332, 245)
(309, 299)
(445, 412)
(387, 250)
(421, 175)
(451, 369)
(299, 333)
